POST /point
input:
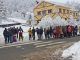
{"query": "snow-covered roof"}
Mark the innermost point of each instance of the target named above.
(57, 4)
(52, 2)
(73, 9)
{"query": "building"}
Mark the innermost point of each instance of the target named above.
(75, 13)
(53, 9)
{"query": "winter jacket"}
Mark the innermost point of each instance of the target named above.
(38, 31)
(33, 31)
(69, 29)
(5, 33)
(30, 32)
(41, 31)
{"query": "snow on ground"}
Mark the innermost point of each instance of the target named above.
(13, 21)
(17, 20)
(7, 22)
(73, 51)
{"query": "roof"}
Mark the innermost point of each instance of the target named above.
(57, 4)
(73, 9)
(52, 2)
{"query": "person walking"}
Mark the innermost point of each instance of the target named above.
(20, 35)
(20, 31)
(76, 30)
(69, 31)
(64, 29)
(14, 34)
(38, 33)
(79, 30)
(30, 33)
(48, 32)
(45, 33)
(41, 33)
(10, 39)
(17, 31)
(57, 31)
(33, 33)
(61, 32)
(54, 33)
(51, 31)
(5, 33)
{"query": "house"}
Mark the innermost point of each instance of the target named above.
(75, 13)
(53, 9)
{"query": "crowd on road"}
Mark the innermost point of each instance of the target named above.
(50, 32)
(13, 34)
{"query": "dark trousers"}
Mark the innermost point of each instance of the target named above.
(65, 34)
(33, 36)
(45, 36)
(20, 37)
(30, 37)
(69, 34)
(10, 39)
(17, 35)
(48, 36)
(61, 35)
(6, 39)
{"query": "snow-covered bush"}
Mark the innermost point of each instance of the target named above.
(78, 21)
(46, 22)
(58, 21)
(72, 21)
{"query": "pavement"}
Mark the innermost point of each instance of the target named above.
(15, 51)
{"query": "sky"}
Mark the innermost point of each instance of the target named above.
(64, 1)
(61, 1)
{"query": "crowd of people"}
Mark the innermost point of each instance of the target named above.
(56, 32)
(12, 34)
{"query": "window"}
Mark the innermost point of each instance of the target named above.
(44, 12)
(68, 11)
(65, 18)
(50, 11)
(38, 21)
(39, 13)
(63, 10)
(76, 14)
(59, 10)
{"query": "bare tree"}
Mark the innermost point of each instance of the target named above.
(2, 10)
(74, 4)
